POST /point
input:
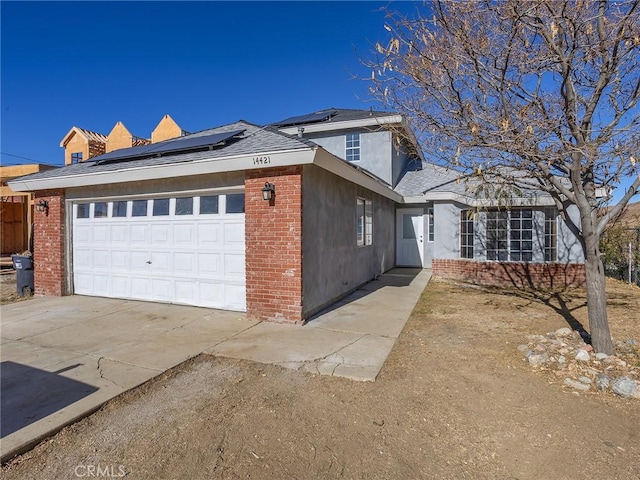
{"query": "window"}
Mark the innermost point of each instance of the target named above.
(184, 206)
(139, 208)
(521, 235)
(82, 210)
(550, 235)
(431, 224)
(353, 147)
(511, 234)
(160, 207)
(209, 204)
(497, 229)
(364, 222)
(119, 209)
(466, 234)
(99, 210)
(76, 157)
(235, 203)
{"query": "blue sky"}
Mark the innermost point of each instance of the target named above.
(91, 64)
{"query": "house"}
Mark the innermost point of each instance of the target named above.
(81, 144)
(282, 220)
(16, 211)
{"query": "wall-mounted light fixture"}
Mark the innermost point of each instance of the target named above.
(42, 206)
(268, 191)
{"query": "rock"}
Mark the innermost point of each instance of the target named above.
(588, 348)
(583, 355)
(633, 342)
(537, 359)
(603, 381)
(585, 380)
(535, 338)
(601, 355)
(523, 348)
(575, 384)
(563, 332)
(624, 386)
(561, 359)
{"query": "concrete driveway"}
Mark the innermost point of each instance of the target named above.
(63, 357)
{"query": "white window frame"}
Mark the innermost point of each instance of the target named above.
(364, 222)
(352, 147)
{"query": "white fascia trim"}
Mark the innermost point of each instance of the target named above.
(339, 167)
(345, 125)
(541, 201)
(171, 170)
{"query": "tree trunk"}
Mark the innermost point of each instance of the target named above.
(597, 302)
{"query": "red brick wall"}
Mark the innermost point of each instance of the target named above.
(511, 274)
(274, 245)
(49, 244)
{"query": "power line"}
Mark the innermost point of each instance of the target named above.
(30, 159)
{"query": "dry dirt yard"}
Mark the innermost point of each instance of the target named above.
(455, 400)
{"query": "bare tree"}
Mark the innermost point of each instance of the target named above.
(536, 92)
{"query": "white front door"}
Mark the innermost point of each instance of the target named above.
(410, 242)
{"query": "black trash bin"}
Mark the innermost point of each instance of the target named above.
(24, 274)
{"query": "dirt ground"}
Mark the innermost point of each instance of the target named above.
(455, 400)
(8, 292)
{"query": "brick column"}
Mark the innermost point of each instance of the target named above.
(274, 245)
(49, 245)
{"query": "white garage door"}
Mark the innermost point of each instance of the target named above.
(187, 250)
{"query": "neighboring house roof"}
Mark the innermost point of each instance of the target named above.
(88, 134)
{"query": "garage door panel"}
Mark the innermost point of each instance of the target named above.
(101, 259)
(82, 259)
(234, 234)
(120, 260)
(139, 261)
(211, 294)
(235, 296)
(120, 286)
(119, 234)
(82, 234)
(198, 260)
(184, 263)
(209, 234)
(161, 262)
(186, 291)
(184, 234)
(101, 284)
(161, 234)
(100, 233)
(162, 289)
(140, 288)
(209, 264)
(234, 264)
(139, 233)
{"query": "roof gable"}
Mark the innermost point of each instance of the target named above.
(88, 135)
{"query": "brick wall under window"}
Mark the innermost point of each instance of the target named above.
(49, 245)
(273, 233)
(511, 274)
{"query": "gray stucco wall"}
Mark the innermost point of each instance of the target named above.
(569, 248)
(447, 230)
(332, 263)
(447, 235)
(375, 149)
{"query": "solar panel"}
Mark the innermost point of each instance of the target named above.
(308, 118)
(171, 146)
